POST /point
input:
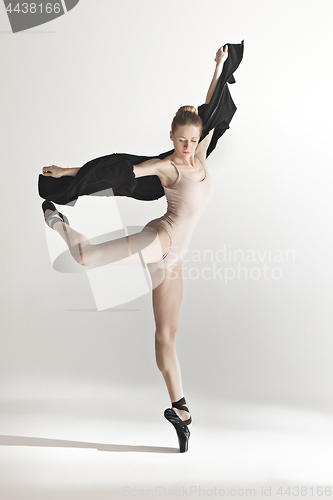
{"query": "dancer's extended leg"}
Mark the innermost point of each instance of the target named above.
(147, 242)
(166, 305)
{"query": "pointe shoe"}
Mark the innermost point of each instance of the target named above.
(180, 425)
(55, 216)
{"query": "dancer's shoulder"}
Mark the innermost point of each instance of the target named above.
(166, 171)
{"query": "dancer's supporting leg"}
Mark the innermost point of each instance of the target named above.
(148, 242)
(166, 305)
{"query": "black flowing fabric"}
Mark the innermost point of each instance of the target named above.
(116, 170)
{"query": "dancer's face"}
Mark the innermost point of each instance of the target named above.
(185, 140)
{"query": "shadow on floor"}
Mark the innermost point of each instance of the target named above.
(58, 443)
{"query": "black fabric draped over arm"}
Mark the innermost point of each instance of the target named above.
(116, 170)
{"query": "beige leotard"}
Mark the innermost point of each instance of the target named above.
(186, 201)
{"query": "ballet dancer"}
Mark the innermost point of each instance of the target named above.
(188, 186)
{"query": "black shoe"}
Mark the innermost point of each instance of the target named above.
(55, 216)
(180, 425)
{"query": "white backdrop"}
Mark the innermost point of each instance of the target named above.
(108, 77)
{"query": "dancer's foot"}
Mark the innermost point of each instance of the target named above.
(47, 213)
(182, 414)
(179, 422)
(181, 410)
(52, 216)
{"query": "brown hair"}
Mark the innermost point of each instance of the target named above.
(186, 115)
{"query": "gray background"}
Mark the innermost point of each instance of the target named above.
(108, 77)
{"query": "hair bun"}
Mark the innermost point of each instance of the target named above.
(186, 115)
(191, 109)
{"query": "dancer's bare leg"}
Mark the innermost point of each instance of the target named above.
(151, 243)
(166, 305)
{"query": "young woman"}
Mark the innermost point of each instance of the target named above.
(188, 187)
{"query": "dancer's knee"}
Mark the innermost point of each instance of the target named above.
(165, 348)
(166, 335)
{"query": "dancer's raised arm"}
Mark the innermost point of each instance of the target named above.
(221, 56)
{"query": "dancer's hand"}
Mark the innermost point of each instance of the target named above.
(53, 171)
(221, 55)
